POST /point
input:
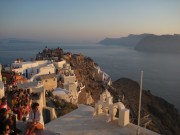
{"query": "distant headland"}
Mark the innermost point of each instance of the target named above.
(147, 42)
(18, 40)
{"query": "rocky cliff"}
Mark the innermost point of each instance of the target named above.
(84, 68)
(156, 113)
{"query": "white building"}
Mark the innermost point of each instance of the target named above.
(29, 85)
(31, 69)
(62, 93)
(44, 70)
(68, 83)
(70, 86)
(102, 76)
(59, 64)
(49, 81)
(1, 89)
(69, 80)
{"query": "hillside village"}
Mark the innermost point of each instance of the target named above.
(53, 71)
(59, 81)
(50, 73)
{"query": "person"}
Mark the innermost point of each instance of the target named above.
(26, 111)
(14, 102)
(5, 129)
(35, 120)
(4, 104)
(18, 110)
(3, 117)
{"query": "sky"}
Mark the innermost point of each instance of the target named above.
(87, 20)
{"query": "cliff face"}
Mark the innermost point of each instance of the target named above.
(84, 69)
(164, 43)
(156, 113)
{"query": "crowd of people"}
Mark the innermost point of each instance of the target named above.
(20, 103)
(7, 119)
(19, 106)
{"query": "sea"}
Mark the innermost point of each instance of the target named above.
(161, 70)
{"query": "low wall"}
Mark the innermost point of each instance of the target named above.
(49, 114)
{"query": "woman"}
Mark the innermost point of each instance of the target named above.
(35, 120)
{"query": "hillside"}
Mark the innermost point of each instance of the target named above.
(130, 40)
(163, 43)
(161, 115)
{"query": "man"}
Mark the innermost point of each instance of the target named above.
(35, 120)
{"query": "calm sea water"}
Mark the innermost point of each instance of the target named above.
(161, 71)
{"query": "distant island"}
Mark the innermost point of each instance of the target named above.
(130, 40)
(17, 40)
(148, 42)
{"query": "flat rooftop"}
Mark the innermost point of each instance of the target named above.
(81, 122)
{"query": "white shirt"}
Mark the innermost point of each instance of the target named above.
(38, 117)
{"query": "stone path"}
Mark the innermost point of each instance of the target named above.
(81, 122)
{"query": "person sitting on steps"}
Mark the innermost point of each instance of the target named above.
(35, 120)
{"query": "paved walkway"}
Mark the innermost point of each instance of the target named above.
(81, 122)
